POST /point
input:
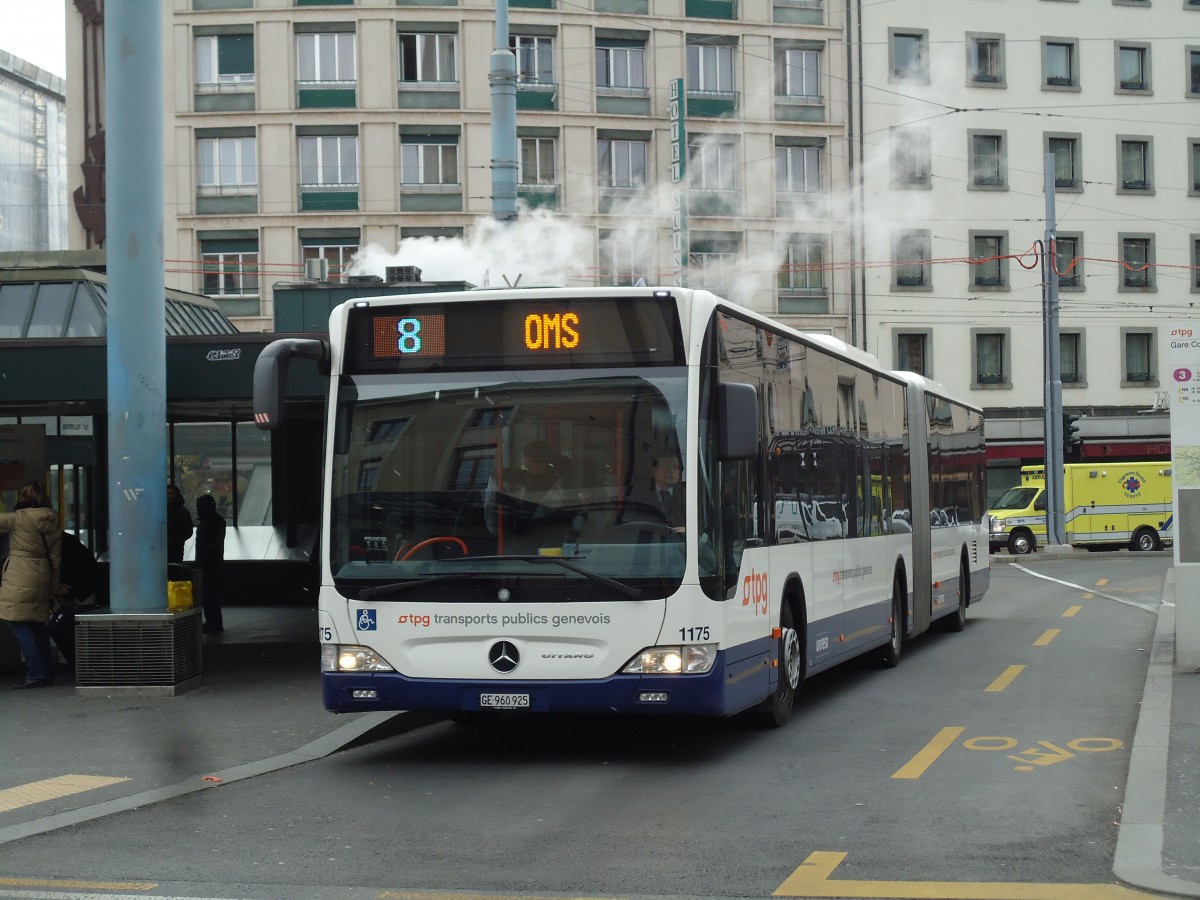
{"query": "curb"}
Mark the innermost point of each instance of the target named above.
(1138, 858)
(366, 728)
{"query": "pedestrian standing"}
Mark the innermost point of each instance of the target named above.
(30, 580)
(210, 555)
(179, 524)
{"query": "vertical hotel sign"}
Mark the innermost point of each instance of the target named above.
(679, 240)
(1184, 360)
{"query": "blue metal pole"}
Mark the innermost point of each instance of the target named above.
(137, 353)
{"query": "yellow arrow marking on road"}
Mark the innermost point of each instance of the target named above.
(813, 879)
(52, 789)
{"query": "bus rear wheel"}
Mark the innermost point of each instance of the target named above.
(776, 711)
(894, 647)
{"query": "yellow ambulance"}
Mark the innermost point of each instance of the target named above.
(1105, 506)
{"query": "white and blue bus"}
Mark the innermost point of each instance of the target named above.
(491, 539)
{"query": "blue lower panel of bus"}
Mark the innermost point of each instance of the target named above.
(721, 692)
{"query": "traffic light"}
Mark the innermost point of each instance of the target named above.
(1072, 442)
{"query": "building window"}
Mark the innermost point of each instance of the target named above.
(1140, 365)
(991, 357)
(1068, 261)
(1137, 262)
(1070, 358)
(224, 61)
(1193, 71)
(428, 163)
(910, 157)
(911, 260)
(622, 163)
(1195, 263)
(230, 268)
(329, 160)
(988, 164)
(798, 170)
(624, 258)
(227, 166)
(712, 167)
(536, 161)
(338, 254)
(909, 52)
(1133, 68)
(710, 68)
(714, 265)
(325, 59)
(1066, 161)
(428, 58)
(985, 59)
(535, 58)
(1194, 166)
(620, 64)
(798, 74)
(912, 352)
(1060, 63)
(989, 262)
(1136, 173)
(803, 268)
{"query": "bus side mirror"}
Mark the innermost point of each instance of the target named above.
(737, 425)
(270, 376)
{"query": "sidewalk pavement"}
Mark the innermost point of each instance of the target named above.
(69, 759)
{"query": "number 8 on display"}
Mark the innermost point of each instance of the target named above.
(410, 335)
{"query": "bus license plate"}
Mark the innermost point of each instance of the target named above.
(504, 701)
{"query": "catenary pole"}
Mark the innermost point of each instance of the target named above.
(1053, 429)
(136, 364)
(503, 78)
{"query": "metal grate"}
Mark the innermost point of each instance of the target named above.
(137, 649)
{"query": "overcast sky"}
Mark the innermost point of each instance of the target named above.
(34, 30)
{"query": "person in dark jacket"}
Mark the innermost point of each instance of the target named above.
(210, 555)
(179, 524)
(30, 580)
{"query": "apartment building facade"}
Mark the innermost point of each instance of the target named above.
(300, 131)
(963, 102)
(874, 171)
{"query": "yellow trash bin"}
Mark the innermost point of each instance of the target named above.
(179, 596)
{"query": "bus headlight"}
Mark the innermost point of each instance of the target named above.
(688, 659)
(351, 658)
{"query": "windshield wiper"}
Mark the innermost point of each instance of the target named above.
(619, 586)
(384, 590)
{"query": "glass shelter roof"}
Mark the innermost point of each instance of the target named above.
(73, 303)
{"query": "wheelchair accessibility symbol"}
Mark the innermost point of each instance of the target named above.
(366, 620)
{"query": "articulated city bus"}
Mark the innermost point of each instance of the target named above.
(623, 500)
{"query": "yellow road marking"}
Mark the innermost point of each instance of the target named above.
(1088, 595)
(1101, 582)
(52, 789)
(1006, 678)
(928, 755)
(78, 885)
(1047, 636)
(812, 879)
(1071, 611)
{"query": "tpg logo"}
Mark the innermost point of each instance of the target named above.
(755, 590)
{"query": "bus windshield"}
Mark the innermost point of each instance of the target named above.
(1015, 498)
(542, 481)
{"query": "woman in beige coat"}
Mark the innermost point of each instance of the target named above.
(30, 579)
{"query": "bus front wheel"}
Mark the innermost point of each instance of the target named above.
(775, 711)
(1020, 542)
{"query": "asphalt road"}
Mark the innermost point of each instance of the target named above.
(995, 756)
